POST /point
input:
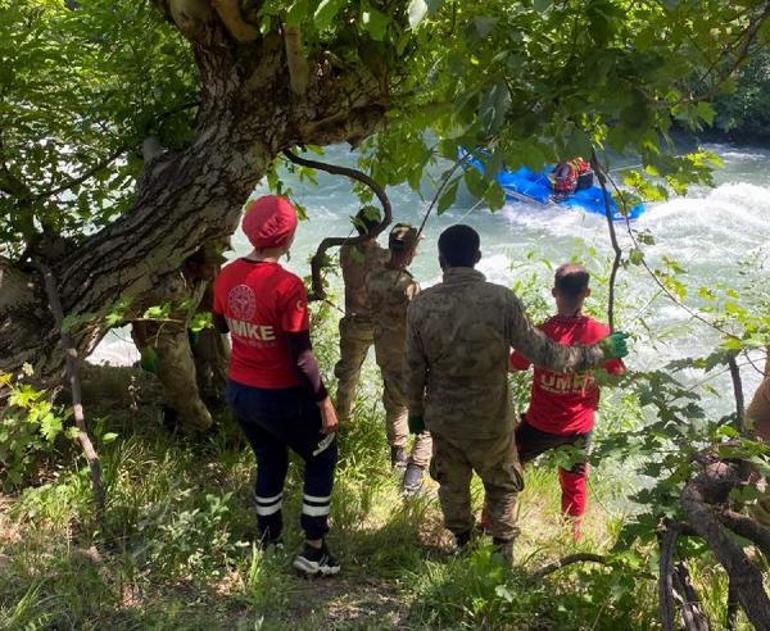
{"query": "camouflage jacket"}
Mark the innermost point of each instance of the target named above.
(459, 336)
(390, 292)
(356, 262)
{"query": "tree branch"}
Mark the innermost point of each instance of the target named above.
(674, 583)
(83, 176)
(580, 557)
(749, 36)
(744, 575)
(735, 374)
(601, 175)
(192, 17)
(299, 71)
(77, 404)
(693, 616)
(229, 12)
(748, 529)
(316, 263)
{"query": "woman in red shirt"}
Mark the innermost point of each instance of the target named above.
(275, 390)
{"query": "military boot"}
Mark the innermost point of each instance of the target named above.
(398, 458)
(504, 548)
(412, 479)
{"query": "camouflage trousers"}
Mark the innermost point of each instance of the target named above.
(356, 336)
(496, 462)
(176, 371)
(211, 353)
(397, 419)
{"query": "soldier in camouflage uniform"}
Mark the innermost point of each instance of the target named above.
(356, 327)
(165, 344)
(459, 336)
(390, 290)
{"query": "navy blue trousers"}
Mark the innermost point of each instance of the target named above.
(275, 421)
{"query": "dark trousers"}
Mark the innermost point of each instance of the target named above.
(275, 421)
(531, 442)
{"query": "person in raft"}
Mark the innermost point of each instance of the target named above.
(562, 406)
(275, 388)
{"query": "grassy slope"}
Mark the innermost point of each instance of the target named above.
(177, 551)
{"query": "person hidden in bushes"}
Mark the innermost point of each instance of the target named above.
(275, 389)
(391, 288)
(459, 337)
(562, 406)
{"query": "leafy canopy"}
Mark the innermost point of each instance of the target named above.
(532, 80)
(80, 89)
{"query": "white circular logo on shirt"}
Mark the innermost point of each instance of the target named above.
(242, 302)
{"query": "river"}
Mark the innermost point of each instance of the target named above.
(711, 232)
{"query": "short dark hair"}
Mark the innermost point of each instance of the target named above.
(571, 279)
(459, 246)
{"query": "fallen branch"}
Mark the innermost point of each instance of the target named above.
(693, 616)
(674, 582)
(77, 404)
(580, 557)
(317, 262)
(746, 577)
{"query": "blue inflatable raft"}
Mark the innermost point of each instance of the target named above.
(524, 185)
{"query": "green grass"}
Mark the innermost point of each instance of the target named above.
(177, 549)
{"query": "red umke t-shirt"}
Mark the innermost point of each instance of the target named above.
(261, 302)
(565, 403)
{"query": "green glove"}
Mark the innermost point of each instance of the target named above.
(614, 346)
(149, 360)
(416, 425)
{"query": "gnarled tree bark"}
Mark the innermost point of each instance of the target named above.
(247, 115)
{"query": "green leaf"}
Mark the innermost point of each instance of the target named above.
(448, 196)
(109, 437)
(636, 256)
(476, 183)
(326, 12)
(495, 196)
(706, 112)
(375, 22)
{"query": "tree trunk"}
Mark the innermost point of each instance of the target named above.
(248, 115)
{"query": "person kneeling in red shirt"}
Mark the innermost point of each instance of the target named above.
(562, 406)
(275, 389)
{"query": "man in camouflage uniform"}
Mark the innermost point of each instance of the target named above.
(356, 327)
(164, 344)
(459, 336)
(390, 290)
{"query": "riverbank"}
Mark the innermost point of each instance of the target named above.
(178, 551)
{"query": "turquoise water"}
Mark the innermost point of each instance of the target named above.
(710, 232)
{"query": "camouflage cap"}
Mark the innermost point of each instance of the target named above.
(402, 237)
